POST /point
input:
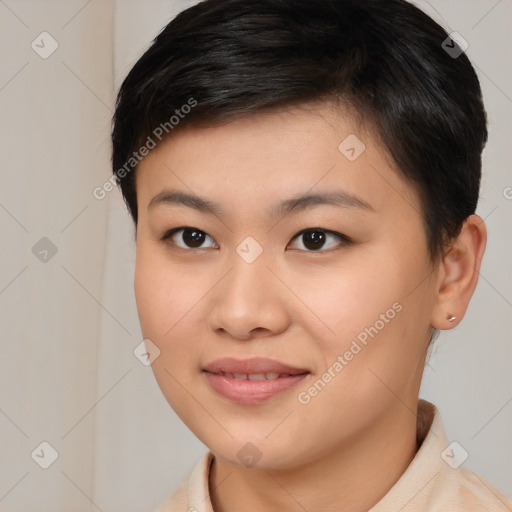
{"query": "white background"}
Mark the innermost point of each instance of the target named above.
(69, 325)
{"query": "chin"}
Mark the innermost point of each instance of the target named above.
(256, 454)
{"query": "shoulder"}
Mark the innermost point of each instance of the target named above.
(468, 491)
(178, 501)
(454, 488)
(435, 481)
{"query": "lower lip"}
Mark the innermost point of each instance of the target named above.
(251, 391)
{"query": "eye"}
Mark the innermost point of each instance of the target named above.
(188, 238)
(319, 240)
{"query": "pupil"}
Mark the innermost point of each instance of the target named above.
(193, 238)
(313, 239)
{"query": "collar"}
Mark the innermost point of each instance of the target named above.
(430, 482)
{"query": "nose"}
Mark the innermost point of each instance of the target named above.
(249, 302)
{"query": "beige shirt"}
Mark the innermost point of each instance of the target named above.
(434, 481)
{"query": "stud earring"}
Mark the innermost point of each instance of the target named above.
(451, 317)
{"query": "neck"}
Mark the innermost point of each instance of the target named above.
(355, 475)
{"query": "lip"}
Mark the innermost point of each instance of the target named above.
(250, 392)
(252, 365)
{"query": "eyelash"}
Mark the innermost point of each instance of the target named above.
(344, 239)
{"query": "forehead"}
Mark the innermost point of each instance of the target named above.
(255, 161)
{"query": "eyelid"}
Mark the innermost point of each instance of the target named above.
(169, 233)
(345, 240)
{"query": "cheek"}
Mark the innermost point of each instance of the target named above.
(346, 299)
(149, 294)
(367, 372)
(168, 299)
(374, 314)
(163, 294)
(162, 305)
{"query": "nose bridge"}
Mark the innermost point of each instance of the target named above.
(249, 280)
(248, 298)
(248, 262)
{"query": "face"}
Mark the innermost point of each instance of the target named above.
(306, 249)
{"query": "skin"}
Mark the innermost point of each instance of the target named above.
(302, 308)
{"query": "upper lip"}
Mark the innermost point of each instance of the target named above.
(251, 366)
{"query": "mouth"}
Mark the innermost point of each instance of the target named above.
(255, 376)
(252, 381)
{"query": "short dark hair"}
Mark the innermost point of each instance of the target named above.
(385, 59)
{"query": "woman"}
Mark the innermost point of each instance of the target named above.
(303, 178)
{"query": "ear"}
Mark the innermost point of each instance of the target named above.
(458, 274)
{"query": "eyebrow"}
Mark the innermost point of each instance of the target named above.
(301, 202)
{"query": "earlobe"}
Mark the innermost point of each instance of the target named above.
(459, 272)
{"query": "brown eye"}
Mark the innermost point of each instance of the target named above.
(189, 238)
(316, 239)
